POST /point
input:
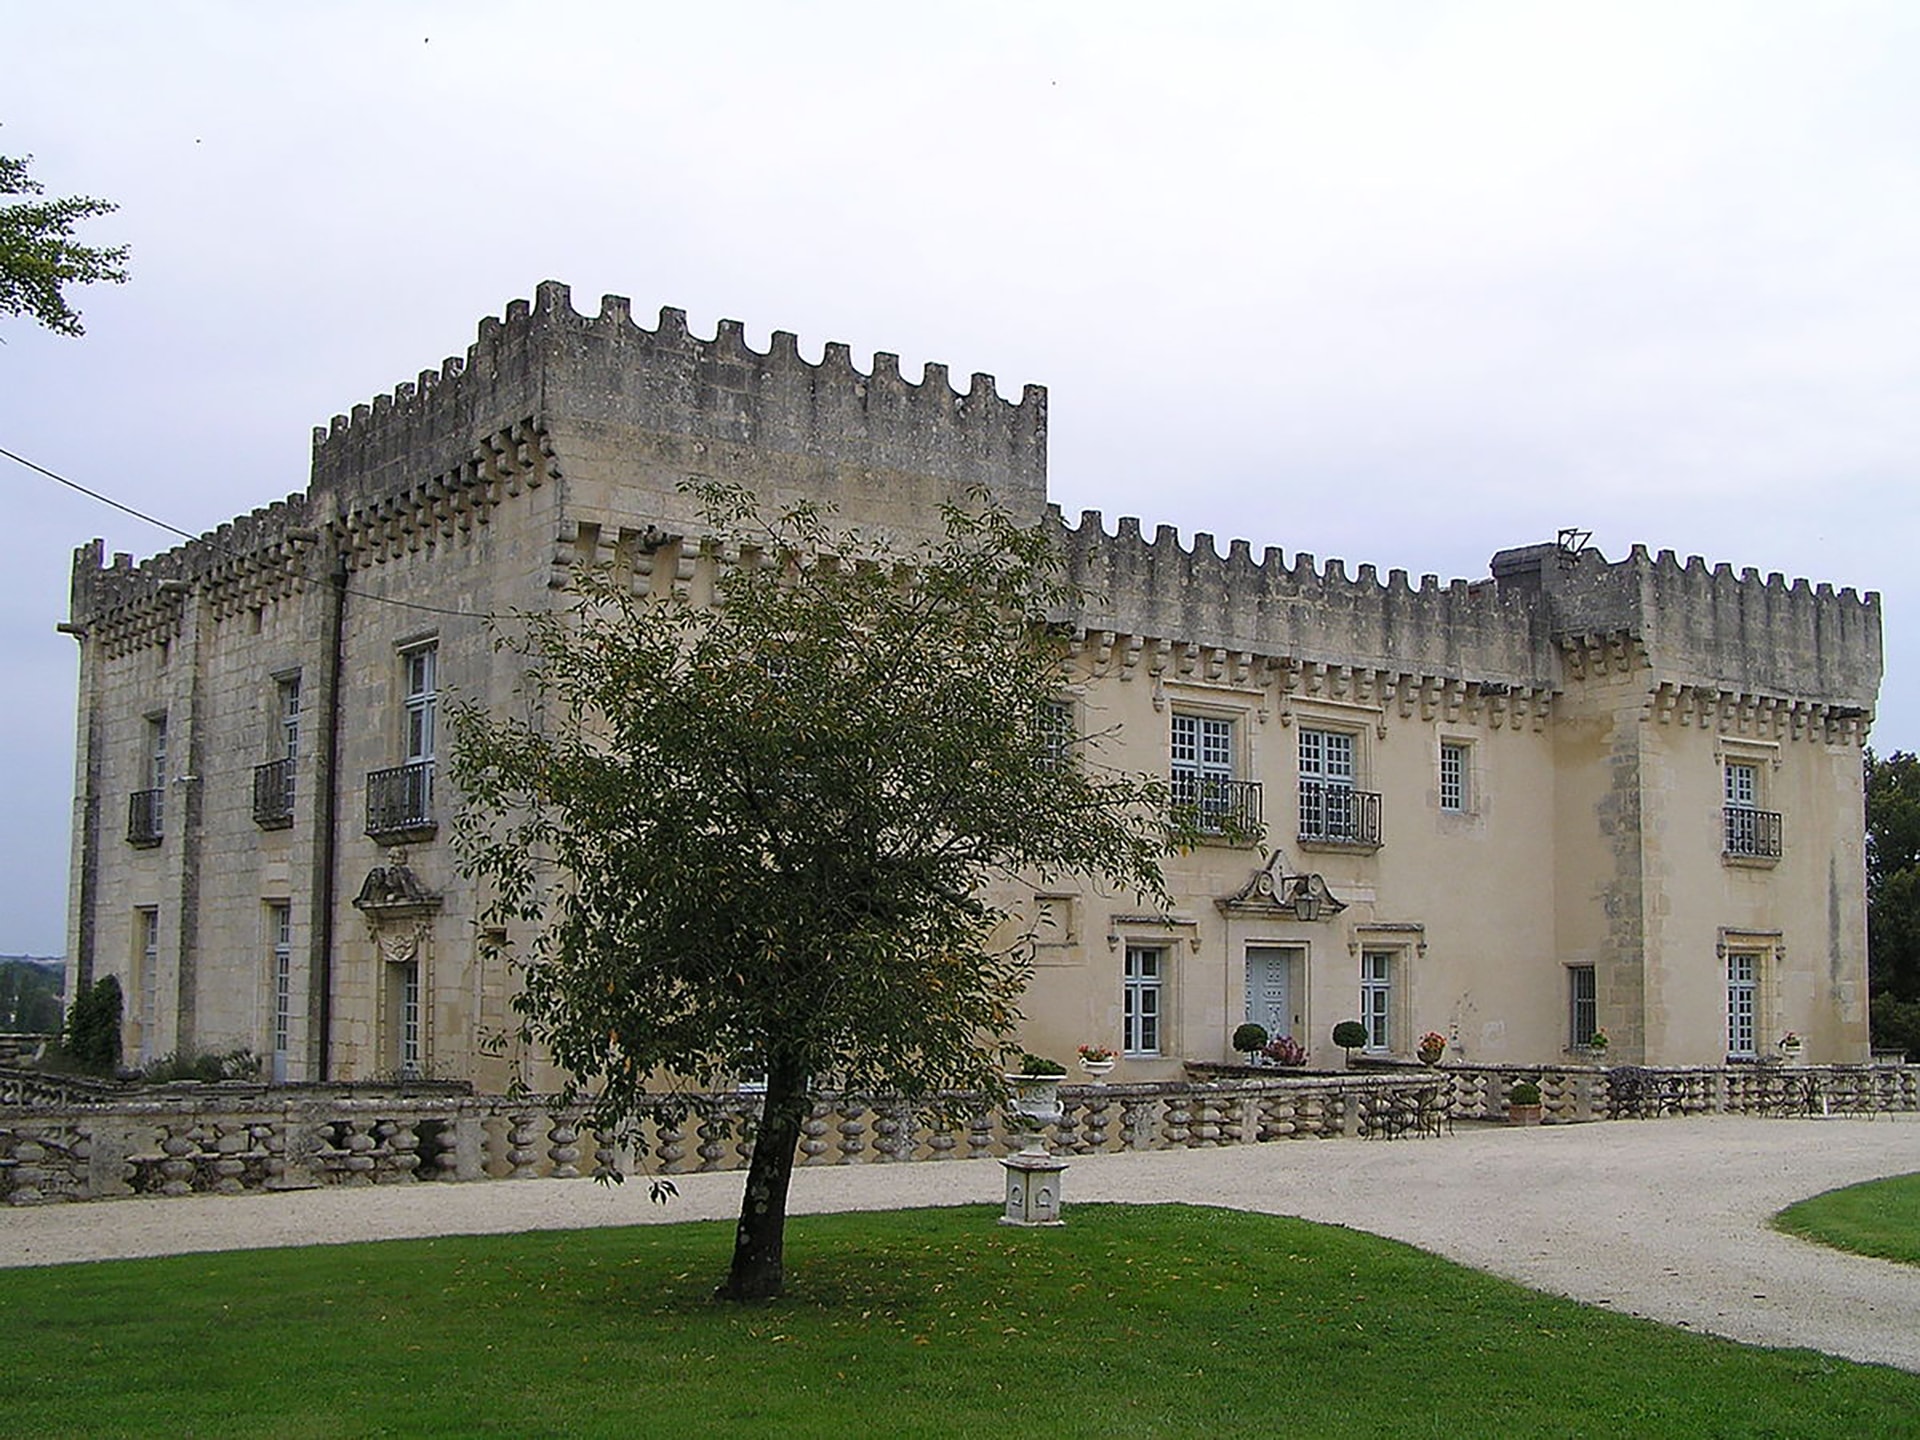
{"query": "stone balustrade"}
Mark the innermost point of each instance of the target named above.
(234, 1139)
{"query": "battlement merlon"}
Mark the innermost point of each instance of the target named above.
(1699, 626)
(605, 374)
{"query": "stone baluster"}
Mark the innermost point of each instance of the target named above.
(1137, 1122)
(563, 1148)
(1177, 1120)
(746, 1124)
(446, 1151)
(980, 1135)
(356, 1151)
(713, 1135)
(1310, 1111)
(941, 1141)
(401, 1137)
(176, 1170)
(523, 1152)
(28, 1153)
(851, 1129)
(670, 1142)
(886, 1135)
(230, 1142)
(814, 1145)
(1064, 1142)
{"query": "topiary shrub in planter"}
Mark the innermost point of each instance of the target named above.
(1249, 1039)
(1523, 1104)
(1348, 1035)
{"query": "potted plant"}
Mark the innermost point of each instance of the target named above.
(1597, 1043)
(1523, 1104)
(1250, 1039)
(1348, 1034)
(1285, 1050)
(1432, 1046)
(1790, 1047)
(1097, 1061)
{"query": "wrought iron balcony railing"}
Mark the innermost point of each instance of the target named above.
(1752, 834)
(273, 794)
(400, 800)
(1337, 815)
(1216, 805)
(145, 816)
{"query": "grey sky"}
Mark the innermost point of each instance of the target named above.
(1399, 283)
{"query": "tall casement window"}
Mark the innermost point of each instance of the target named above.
(146, 979)
(280, 957)
(408, 981)
(1202, 770)
(1750, 832)
(1143, 989)
(423, 700)
(400, 799)
(1583, 1006)
(273, 781)
(1056, 735)
(1453, 777)
(1332, 810)
(1376, 998)
(146, 807)
(1743, 994)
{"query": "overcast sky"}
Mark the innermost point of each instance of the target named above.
(1402, 283)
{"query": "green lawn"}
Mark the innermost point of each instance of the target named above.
(1879, 1217)
(1163, 1320)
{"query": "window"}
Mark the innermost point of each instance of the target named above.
(1332, 811)
(400, 799)
(1143, 990)
(1453, 777)
(1376, 998)
(1743, 988)
(146, 980)
(273, 781)
(409, 997)
(1583, 1009)
(423, 701)
(146, 806)
(290, 718)
(1056, 735)
(1750, 832)
(1204, 788)
(280, 938)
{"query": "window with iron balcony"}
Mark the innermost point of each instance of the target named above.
(1332, 810)
(1205, 790)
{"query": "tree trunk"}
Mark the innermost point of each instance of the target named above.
(759, 1243)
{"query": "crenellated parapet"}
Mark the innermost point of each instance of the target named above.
(1548, 617)
(247, 561)
(1319, 615)
(608, 374)
(1706, 628)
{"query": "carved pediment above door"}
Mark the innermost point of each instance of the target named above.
(1272, 893)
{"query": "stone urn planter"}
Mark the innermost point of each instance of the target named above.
(1097, 1061)
(1036, 1105)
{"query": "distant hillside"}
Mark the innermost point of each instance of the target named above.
(30, 994)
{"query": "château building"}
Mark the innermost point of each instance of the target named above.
(1575, 794)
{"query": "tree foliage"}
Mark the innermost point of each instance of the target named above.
(39, 257)
(753, 832)
(1893, 875)
(92, 1038)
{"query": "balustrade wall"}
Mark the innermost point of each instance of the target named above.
(234, 1138)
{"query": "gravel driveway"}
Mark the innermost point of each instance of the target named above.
(1661, 1218)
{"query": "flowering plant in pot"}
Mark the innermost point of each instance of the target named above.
(1432, 1046)
(1096, 1060)
(1598, 1041)
(1285, 1050)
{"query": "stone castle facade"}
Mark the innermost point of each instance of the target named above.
(1575, 795)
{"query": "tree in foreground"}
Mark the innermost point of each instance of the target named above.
(39, 257)
(754, 833)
